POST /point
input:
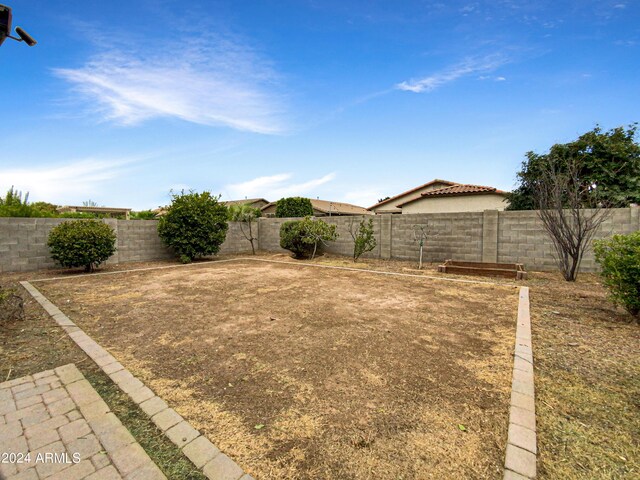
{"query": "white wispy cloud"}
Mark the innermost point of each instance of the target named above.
(65, 183)
(364, 197)
(274, 187)
(208, 80)
(469, 66)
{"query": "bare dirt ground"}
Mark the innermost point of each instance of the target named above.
(299, 372)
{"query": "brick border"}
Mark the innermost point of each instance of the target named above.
(63, 385)
(205, 455)
(521, 454)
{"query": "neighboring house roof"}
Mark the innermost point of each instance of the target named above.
(408, 192)
(85, 209)
(457, 190)
(333, 208)
(245, 201)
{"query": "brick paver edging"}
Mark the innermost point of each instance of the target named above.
(214, 464)
(521, 454)
(59, 412)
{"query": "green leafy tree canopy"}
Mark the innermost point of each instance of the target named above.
(607, 167)
(194, 225)
(293, 207)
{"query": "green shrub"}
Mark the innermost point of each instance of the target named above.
(291, 239)
(619, 258)
(82, 243)
(13, 205)
(80, 215)
(363, 239)
(293, 207)
(194, 225)
(143, 215)
(303, 237)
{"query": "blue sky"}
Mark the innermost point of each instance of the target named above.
(347, 101)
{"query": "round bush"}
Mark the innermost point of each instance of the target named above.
(304, 237)
(293, 207)
(619, 258)
(194, 225)
(292, 239)
(82, 243)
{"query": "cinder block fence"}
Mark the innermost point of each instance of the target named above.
(490, 236)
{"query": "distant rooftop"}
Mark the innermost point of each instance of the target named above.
(457, 190)
(332, 208)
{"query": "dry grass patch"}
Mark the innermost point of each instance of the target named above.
(312, 373)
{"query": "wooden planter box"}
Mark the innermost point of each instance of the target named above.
(506, 270)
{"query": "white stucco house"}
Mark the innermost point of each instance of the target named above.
(442, 196)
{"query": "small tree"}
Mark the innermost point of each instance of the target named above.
(291, 239)
(82, 243)
(302, 237)
(619, 258)
(194, 225)
(293, 207)
(245, 215)
(420, 235)
(363, 239)
(569, 210)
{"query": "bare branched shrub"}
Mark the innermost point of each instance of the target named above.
(11, 306)
(570, 211)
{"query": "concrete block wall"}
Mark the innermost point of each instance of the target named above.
(506, 237)
(138, 241)
(23, 242)
(450, 235)
(344, 244)
(523, 239)
(236, 242)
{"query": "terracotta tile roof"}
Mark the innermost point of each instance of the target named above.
(428, 184)
(335, 208)
(463, 189)
(458, 190)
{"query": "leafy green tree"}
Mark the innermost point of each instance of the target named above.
(82, 243)
(607, 166)
(363, 239)
(293, 207)
(143, 215)
(303, 237)
(14, 205)
(194, 225)
(380, 200)
(245, 214)
(619, 258)
(46, 209)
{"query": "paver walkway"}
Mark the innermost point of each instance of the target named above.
(54, 425)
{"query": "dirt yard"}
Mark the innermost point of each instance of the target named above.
(300, 372)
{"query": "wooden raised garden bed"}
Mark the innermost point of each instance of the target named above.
(507, 270)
